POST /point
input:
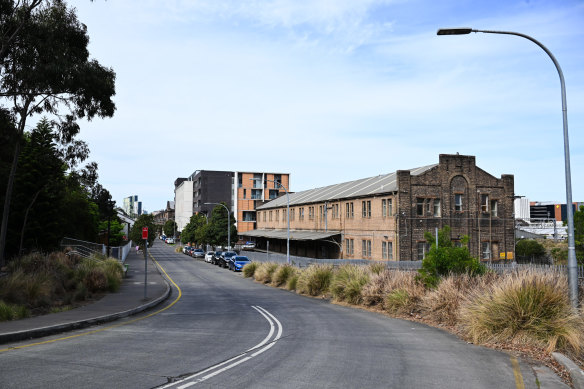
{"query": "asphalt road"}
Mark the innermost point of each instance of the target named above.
(224, 331)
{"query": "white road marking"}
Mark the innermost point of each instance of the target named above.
(239, 359)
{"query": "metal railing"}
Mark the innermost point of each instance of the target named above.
(87, 249)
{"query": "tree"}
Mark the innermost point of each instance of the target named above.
(529, 248)
(191, 234)
(45, 67)
(136, 231)
(217, 230)
(446, 259)
(170, 228)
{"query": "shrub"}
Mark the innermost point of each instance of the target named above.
(447, 259)
(527, 306)
(282, 273)
(265, 271)
(11, 312)
(347, 283)
(293, 281)
(249, 269)
(114, 272)
(443, 304)
(386, 282)
(96, 280)
(315, 280)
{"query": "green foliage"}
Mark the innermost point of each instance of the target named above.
(12, 312)
(170, 228)
(447, 259)
(265, 271)
(195, 230)
(217, 230)
(529, 248)
(116, 231)
(136, 231)
(282, 274)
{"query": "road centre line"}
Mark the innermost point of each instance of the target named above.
(237, 360)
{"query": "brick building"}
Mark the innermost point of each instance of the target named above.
(385, 217)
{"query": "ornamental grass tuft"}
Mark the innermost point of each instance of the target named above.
(348, 282)
(315, 280)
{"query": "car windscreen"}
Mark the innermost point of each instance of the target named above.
(241, 259)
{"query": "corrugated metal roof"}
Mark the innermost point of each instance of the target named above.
(294, 234)
(385, 183)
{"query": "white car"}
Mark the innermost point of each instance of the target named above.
(170, 240)
(209, 256)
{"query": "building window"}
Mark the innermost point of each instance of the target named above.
(257, 180)
(292, 212)
(389, 207)
(278, 180)
(366, 248)
(494, 208)
(387, 250)
(265, 215)
(249, 216)
(458, 202)
(273, 193)
(366, 209)
(335, 211)
(419, 206)
(486, 250)
(386, 208)
(244, 193)
(256, 194)
(423, 248)
(349, 246)
(301, 213)
(436, 212)
(278, 215)
(321, 212)
(239, 181)
(310, 213)
(484, 203)
(349, 213)
(270, 215)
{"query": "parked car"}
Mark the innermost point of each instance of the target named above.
(185, 249)
(224, 259)
(209, 256)
(188, 250)
(169, 240)
(163, 237)
(198, 253)
(216, 257)
(237, 262)
(248, 246)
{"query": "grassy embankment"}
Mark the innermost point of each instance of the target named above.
(44, 283)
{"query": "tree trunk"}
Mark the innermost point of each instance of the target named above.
(7, 199)
(26, 218)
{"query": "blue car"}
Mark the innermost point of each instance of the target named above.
(237, 262)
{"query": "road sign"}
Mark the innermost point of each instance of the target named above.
(144, 232)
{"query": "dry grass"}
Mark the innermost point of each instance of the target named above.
(387, 282)
(347, 283)
(524, 307)
(265, 271)
(442, 305)
(315, 280)
(249, 269)
(282, 274)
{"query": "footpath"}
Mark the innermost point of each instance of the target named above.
(129, 300)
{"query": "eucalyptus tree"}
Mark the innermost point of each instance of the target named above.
(45, 68)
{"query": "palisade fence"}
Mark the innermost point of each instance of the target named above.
(259, 256)
(87, 249)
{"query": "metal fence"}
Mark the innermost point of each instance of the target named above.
(398, 265)
(87, 249)
(259, 256)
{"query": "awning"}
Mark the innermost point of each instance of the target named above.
(294, 234)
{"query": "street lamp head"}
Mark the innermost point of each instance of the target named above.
(454, 31)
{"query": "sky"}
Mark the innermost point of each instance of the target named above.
(333, 91)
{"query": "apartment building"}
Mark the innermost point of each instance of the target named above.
(242, 192)
(385, 217)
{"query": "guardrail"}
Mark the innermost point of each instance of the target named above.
(87, 249)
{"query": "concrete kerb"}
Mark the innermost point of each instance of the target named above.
(70, 326)
(576, 373)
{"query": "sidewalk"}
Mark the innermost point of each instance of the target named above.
(129, 300)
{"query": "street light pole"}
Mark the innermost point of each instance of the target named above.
(572, 262)
(228, 223)
(287, 217)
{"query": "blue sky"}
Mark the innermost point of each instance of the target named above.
(331, 91)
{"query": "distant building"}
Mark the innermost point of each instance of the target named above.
(162, 216)
(385, 217)
(132, 206)
(242, 192)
